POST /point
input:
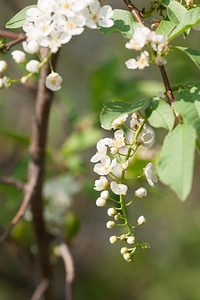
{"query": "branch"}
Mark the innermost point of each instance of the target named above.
(41, 288)
(16, 37)
(138, 17)
(69, 268)
(19, 185)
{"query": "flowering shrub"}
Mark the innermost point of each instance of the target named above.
(49, 25)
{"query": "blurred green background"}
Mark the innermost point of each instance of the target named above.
(92, 66)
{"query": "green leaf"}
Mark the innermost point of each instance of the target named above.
(160, 114)
(115, 109)
(18, 20)
(187, 104)
(124, 23)
(194, 55)
(189, 20)
(175, 11)
(165, 27)
(176, 162)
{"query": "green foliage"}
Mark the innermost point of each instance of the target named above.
(160, 114)
(175, 164)
(194, 55)
(115, 109)
(18, 20)
(124, 23)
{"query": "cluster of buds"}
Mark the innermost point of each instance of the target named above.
(52, 24)
(156, 44)
(111, 162)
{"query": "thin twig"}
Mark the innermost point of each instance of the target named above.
(138, 17)
(69, 269)
(41, 288)
(19, 185)
(16, 39)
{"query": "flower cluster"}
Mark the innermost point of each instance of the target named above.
(156, 43)
(51, 24)
(111, 162)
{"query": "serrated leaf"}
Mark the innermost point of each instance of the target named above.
(160, 114)
(187, 104)
(18, 20)
(176, 162)
(165, 27)
(114, 109)
(190, 19)
(194, 55)
(175, 11)
(124, 23)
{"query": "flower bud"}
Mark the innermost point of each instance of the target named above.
(33, 66)
(127, 257)
(131, 240)
(101, 202)
(18, 56)
(110, 224)
(113, 239)
(141, 220)
(3, 66)
(111, 212)
(141, 192)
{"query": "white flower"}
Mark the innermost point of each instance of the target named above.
(18, 56)
(105, 195)
(131, 240)
(110, 224)
(135, 121)
(118, 188)
(141, 220)
(53, 81)
(101, 184)
(118, 141)
(31, 46)
(124, 250)
(118, 122)
(127, 257)
(140, 63)
(3, 65)
(141, 192)
(113, 239)
(101, 150)
(149, 172)
(147, 136)
(106, 165)
(99, 16)
(33, 66)
(101, 202)
(139, 38)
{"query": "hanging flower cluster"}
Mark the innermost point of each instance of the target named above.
(111, 163)
(156, 44)
(51, 24)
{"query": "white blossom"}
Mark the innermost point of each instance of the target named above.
(139, 38)
(33, 66)
(101, 202)
(99, 16)
(3, 66)
(141, 220)
(141, 192)
(131, 240)
(149, 172)
(18, 56)
(101, 150)
(113, 239)
(118, 122)
(53, 81)
(118, 188)
(105, 195)
(111, 212)
(101, 183)
(110, 224)
(118, 141)
(105, 166)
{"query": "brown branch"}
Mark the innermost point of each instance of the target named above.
(19, 185)
(138, 17)
(16, 37)
(41, 288)
(69, 269)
